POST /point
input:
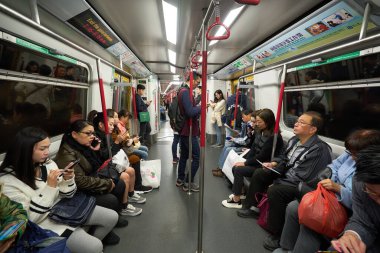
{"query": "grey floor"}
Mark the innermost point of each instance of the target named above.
(169, 222)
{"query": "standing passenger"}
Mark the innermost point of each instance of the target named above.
(219, 108)
(141, 106)
(190, 110)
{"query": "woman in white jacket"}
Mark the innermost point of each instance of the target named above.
(219, 108)
(36, 182)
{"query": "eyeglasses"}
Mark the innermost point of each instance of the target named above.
(369, 192)
(88, 133)
(303, 123)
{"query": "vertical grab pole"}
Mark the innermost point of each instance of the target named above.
(279, 108)
(190, 158)
(363, 29)
(203, 138)
(104, 109)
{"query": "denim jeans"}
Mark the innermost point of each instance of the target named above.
(184, 145)
(218, 131)
(142, 152)
(174, 146)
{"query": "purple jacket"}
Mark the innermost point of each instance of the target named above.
(191, 111)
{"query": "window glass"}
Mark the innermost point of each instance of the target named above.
(353, 69)
(17, 58)
(33, 104)
(344, 110)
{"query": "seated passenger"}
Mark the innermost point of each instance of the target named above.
(363, 229)
(76, 144)
(237, 144)
(11, 213)
(300, 238)
(37, 183)
(260, 150)
(305, 156)
(123, 122)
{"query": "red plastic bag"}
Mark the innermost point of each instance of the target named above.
(321, 211)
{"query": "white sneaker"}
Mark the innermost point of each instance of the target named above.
(232, 195)
(131, 211)
(229, 203)
(136, 198)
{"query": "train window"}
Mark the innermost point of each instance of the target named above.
(21, 59)
(344, 110)
(364, 67)
(34, 104)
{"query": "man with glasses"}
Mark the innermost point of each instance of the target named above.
(191, 111)
(362, 233)
(304, 157)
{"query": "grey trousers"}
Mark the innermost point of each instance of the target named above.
(296, 237)
(104, 219)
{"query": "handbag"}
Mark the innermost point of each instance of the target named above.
(109, 170)
(144, 116)
(73, 211)
(263, 206)
(151, 173)
(121, 160)
(321, 211)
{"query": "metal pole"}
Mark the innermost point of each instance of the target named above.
(363, 29)
(203, 139)
(34, 10)
(190, 157)
(279, 108)
(104, 108)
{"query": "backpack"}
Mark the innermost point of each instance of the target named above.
(39, 240)
(229, 116)
(177, 118)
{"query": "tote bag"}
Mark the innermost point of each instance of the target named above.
(144, 116)
(121, 160)
(151, 172)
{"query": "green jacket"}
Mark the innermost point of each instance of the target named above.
(10, 213)
(84, 176)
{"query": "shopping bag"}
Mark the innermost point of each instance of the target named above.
(151, 172)
(231, 159)
(264, 210)
(321, 211)
(144, 116)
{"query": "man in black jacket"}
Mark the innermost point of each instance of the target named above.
(141, 106)
(305, 156)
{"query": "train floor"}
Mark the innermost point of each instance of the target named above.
(169, 221)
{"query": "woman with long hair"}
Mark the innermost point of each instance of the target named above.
(36, 182)
(260, 150)
(76, 143)
(218, 106)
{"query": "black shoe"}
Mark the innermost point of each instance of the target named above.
(272, 242)
(111, 239)
(247, 213)
(143, 189)
(121, 222)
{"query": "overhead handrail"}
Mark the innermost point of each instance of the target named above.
(217, 22)
(248, 2)
(195, 60)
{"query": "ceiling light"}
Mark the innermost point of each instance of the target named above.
(172, 69)
(172, 56)
(170, 16)
(232, 15)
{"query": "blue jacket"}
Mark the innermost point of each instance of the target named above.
(140, 104)
(190, 111)
(343, 169)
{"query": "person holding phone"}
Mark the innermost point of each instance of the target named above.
(218, 107)
(37, 183)
(11, 214)
(141, 106)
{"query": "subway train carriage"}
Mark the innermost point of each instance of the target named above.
(190, 126)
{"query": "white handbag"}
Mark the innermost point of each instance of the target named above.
(121, 160)
(151, 172)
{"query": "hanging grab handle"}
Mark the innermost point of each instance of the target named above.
(249, 2)
(217, 22)
(195, 60)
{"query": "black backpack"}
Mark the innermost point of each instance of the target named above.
(177, 118)
(230, 113)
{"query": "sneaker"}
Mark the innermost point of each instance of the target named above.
(131, 211)
(111, 239)
(219, 146)
(193, 187)
(272, 242)
(232, 195)
(143, 189)
(175, 160)
(230, 203)
(179, 182)
(136, 198)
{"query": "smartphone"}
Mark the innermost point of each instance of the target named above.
(74, 163)
(94, 142)
(11, 231)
